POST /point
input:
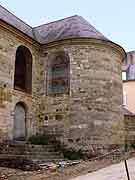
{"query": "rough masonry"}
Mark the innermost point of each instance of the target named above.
(83, 98)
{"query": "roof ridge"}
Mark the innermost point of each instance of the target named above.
(15, 16)
(56, 21)
(132, 51)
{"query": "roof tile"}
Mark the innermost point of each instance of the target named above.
(71, 27)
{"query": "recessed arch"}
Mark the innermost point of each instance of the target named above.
(58, 73)
(19, 130)
(23, 70)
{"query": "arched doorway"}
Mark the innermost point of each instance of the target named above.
(20, 122)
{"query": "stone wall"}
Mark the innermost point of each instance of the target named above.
(10, 40)
(91, 114)
(129, 122)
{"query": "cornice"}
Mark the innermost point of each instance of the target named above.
(81, 41)
(69, 41)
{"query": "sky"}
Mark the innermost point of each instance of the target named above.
(113, 18)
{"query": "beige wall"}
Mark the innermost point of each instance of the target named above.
(91, 114)
(10, 40)
(129, 93)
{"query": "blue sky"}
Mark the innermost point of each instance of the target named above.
(114, 18)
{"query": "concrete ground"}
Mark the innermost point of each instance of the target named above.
(113, 172)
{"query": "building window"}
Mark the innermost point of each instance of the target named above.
(58, 74)
(124, 75)
(131, 72)
(23, 70)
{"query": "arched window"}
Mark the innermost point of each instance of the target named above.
(23, 70)
(58, 74)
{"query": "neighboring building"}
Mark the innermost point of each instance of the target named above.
(128, 76)
(65, 74)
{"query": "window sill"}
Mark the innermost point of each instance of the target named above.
(19, 91)
(58, 94)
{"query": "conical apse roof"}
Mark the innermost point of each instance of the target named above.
(71, 27)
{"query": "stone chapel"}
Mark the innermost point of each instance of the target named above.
(63, 75)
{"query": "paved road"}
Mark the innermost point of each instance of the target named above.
(113, 172)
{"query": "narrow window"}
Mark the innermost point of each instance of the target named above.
(23, 70)
(124, 75)
(58, 74)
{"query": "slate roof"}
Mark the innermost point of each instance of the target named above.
(71, 27)
(127, 112)
(11, 19)
(125, 67)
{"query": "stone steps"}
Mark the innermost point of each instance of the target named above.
(29, 146)
(14, 149)
(30, 157)
(30, 153)
(43, 153)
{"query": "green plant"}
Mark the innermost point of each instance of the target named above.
(39, 139)
(72, 154)
(69, 153)
(126, 147)
(133, 146)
